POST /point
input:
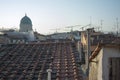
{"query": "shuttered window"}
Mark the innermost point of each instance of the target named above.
(114, 70)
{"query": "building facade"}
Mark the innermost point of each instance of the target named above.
(105, 63)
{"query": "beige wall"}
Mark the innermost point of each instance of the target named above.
(100, 70)
(95, 67)
(83, 39)
(99, 65)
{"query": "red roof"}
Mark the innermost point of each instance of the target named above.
(31, 61)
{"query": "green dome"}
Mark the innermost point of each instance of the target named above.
(26, 20)
(25, 24)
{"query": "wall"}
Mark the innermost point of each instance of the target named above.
(25, 28)
(108, 53)
(95, 67)
(99, 68)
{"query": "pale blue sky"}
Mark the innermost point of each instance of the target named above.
(50, 14)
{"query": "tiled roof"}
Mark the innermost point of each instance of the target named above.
(31, 61)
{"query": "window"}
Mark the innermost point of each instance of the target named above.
(114, 69)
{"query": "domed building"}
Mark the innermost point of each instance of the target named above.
(26, 28)
(25, 24)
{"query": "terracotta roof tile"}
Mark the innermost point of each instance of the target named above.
(30, 61)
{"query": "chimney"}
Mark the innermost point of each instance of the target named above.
(49, 74)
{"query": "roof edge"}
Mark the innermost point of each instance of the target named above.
(99, 47)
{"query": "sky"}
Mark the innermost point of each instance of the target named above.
(48, 15)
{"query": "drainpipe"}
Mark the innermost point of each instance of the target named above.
(49, 74)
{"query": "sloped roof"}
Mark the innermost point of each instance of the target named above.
(30, 61)
(99, 47)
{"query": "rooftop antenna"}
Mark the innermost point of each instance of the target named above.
(101, 23)
(90, 21)
(117, 25)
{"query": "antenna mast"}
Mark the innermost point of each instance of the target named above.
(117, 25)
(101, 24)
(90, 21)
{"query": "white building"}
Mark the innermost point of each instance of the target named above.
(25, 33)
(26, 28)
(105, 62)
